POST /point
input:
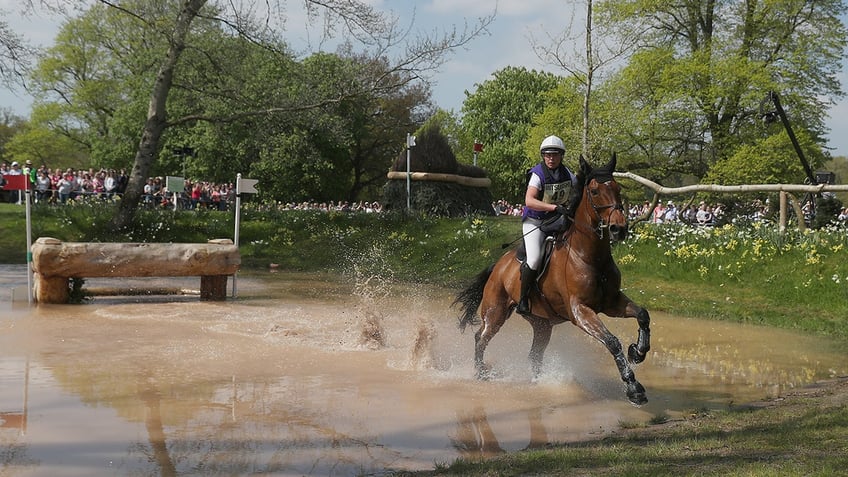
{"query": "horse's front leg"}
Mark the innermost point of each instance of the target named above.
(587, 320)
(626, 308)
(637, 351)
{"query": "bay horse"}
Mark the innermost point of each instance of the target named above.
(580, 281)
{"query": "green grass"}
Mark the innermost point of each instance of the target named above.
(753, 274)
(803, 434)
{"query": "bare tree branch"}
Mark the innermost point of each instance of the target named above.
(662, 190)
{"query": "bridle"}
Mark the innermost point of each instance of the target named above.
(603, 224)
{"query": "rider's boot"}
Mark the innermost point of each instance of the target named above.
(528, 278)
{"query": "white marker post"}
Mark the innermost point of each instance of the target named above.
(246, 186)
(410, 142)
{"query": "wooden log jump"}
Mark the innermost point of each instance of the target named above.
(55, 262)
(439, 177)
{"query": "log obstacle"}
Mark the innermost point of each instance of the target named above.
(439, 177)
(55, 263)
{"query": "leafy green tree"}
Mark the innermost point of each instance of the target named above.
(770, 161)
(354, 139)
(45, 147)
(704, 67)
(562, 114)
(10, 124)
(174, 30)
(500, 113)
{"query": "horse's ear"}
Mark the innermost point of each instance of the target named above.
(585, 167)
(611, 165)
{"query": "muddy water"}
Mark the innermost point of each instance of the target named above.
(304, 375)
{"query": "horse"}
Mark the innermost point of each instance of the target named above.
(580, 281)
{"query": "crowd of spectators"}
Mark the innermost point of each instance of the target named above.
(502, 207)
(192, 196)
(62, 186)
(59, 186)
(704, 214)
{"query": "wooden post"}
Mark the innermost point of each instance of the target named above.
(213, 287)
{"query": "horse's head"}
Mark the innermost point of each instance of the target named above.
(602, 200)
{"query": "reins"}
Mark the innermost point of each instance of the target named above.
(547, 222)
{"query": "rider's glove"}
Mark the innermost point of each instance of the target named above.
(562, 210)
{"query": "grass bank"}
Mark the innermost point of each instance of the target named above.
(801, 434)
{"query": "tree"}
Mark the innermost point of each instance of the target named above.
(770, 161)
(15, 54)
(10, 124)
(598, 53)
(499, 114)
(718, 59)
(172, 29)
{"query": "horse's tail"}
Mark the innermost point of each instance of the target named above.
(470, 298)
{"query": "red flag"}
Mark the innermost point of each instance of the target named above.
(15, 182)
(478, 147)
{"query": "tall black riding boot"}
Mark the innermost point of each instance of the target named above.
(528, 279)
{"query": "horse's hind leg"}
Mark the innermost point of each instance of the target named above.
(493, 318)
(542, 328)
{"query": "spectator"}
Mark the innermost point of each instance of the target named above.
(659, 213)
(670, 212)
(110, 185)
(149, 192)
(65, 188)
(43, 186)
(15, 196)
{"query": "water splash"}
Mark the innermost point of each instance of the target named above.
(421, 356)
(373, 279)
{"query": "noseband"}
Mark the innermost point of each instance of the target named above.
(602, 224)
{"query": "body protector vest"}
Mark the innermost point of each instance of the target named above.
(556, 188)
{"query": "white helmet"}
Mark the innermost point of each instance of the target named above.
(552, 143)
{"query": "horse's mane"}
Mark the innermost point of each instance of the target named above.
(577, 191)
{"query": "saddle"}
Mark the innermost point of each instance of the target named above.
(547, 250)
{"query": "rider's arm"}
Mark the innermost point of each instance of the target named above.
(531, 200)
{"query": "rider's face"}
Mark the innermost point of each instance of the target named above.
(552, 159)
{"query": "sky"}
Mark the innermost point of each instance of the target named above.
(507, 44)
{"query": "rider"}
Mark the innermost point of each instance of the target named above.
(549, 192)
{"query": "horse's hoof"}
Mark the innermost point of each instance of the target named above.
(634, 355)
(484, 373)
(636, 393)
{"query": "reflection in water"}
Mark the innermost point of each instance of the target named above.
(474, 435)
(151, 398)
(305, 376)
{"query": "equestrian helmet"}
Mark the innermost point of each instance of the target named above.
(552, 144)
